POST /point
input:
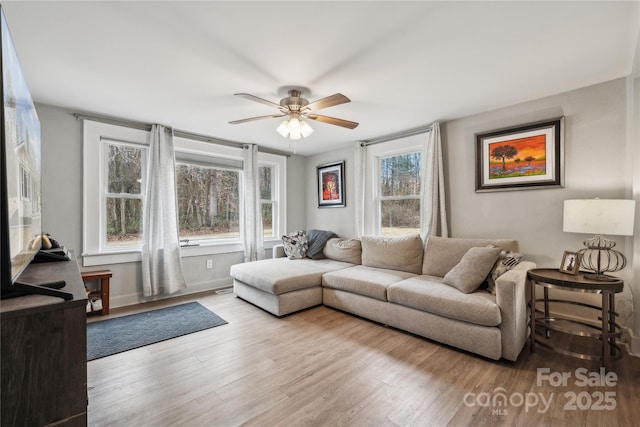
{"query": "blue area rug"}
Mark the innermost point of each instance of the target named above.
(125, 333)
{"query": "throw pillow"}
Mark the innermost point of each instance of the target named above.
(472, 269)
(295, 244)
(344, 250)
(506, 261)
(317, 240)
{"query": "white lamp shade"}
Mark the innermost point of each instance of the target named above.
(283, 129)
(305, 129)
(599, 216)
(294, 128)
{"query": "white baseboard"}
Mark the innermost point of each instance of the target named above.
(192, 288)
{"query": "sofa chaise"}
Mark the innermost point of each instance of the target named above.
(433, 290)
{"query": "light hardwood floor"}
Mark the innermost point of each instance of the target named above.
(325, 367)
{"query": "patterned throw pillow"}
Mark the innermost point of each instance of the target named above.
(295, 244)
(506, 262)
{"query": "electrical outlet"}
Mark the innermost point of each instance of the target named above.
(209, 263)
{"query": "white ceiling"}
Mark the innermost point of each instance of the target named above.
(403, 64)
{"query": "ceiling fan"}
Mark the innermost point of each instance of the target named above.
(295, 107)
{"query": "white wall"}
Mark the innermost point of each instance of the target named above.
(596, 152)
(339, 220)
(62, 209)
(633, 138)
(596, 165)
(594, 149)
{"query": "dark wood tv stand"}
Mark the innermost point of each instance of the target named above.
(43, 357)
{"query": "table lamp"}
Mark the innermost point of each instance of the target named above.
(600, 216)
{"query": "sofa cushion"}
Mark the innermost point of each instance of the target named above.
(395, 253)
(317, 240)
(473, 269)
(281, 275)
(295, 244)
(346, 250)
(443, 253)
(428, 293)
(368, 281)
(506, 261)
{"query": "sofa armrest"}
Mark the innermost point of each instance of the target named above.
(278, 251)
(511, 297)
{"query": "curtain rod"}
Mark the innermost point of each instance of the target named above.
(179, 133)
(403, 134)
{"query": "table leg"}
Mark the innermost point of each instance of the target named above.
(612, 324)
(605, 329)
(547, 332)
(532, 309)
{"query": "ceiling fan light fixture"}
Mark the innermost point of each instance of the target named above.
(296, 107)
(294, 129)
(294, 124)
(305, 129)
(283, 129)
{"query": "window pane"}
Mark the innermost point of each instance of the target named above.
(125, 169)
(400, 175)
(208, 202)
(399, 217)
(266, 173)
(267, 219)
(124, 222)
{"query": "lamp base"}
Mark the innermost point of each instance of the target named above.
(599, 257)
(600, 277)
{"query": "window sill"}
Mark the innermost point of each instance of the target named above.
(89, 259)
(105, 258)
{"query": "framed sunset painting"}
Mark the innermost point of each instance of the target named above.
(525, 157)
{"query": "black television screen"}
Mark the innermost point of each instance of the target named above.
(20, 176)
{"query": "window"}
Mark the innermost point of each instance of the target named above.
(25, 183)
(266, 197)
(399, 194)
(392, 197)
(123, 196)
(208, 202)
(209, 187)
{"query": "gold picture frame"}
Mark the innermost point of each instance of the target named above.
(570, 262)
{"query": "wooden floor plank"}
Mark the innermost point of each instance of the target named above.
(324, 367)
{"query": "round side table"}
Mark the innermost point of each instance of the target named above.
(603, 328)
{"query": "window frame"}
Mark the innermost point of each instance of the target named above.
(373, 197)
(206, 150)
(105, 193)
(94, 227)
(278, 195)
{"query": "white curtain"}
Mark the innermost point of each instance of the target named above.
(359, 197)
(253, 233)
(434, 214)
(161, 262)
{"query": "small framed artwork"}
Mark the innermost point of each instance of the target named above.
(570, 262)
(331, 185)
(525, 157)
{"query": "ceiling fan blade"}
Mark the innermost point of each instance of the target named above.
(258, 99)
(333, 121)
(329, 101)
(271, 116)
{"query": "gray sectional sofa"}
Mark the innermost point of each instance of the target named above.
(427, 289)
